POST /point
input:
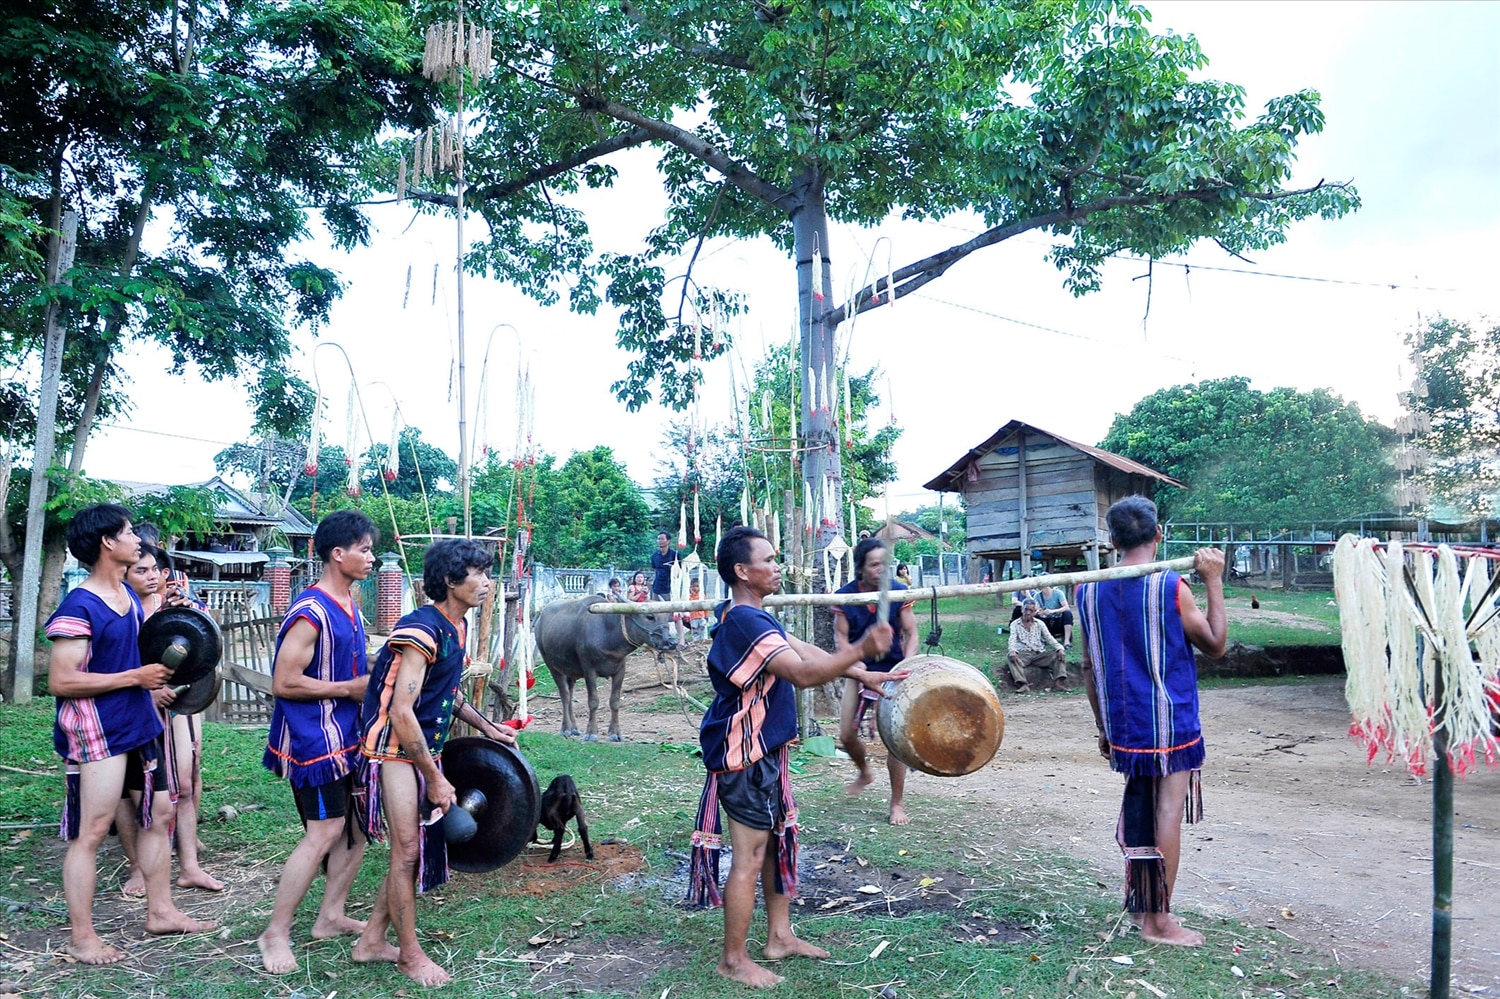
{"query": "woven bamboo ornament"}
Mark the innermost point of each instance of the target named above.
(393, 452)
(682, 525)
(310, 463)
(1387, 596)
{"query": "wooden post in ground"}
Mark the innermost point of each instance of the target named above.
(1442, 844)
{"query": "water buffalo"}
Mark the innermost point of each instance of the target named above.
(574, 643)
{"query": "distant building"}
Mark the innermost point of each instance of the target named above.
(1032, 493)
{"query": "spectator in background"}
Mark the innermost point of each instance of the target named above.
(614, 590)
(1056, 614)
(664, 560)
(639, 592)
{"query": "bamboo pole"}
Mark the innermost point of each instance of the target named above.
(912, 595)
(1442, 844)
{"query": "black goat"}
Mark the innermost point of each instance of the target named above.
(561, 802)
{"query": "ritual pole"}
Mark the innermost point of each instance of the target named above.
(1442, 842)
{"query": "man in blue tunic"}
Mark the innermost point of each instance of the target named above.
(1143, 688)
(108, 731)
(412, 700)
(319, 678)
(754, 666)
(850, 623)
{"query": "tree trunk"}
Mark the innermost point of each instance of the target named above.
(822, 469)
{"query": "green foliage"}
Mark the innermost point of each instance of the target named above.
(1458, 370)
(713, 461)
(177, 511)
(931, 518)
(1244, 455)
(1073, 118)
(774, 404)
(420, 466)
(191, 142)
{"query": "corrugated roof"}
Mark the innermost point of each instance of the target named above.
(951, 479)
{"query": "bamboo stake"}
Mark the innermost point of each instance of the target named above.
(913, 595)
(1442, 847)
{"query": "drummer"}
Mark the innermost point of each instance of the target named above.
(183, 748)
(412, 700)
(754, 665)
(108, 731)
(849, 626)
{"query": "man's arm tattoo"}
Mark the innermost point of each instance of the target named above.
(411, 686)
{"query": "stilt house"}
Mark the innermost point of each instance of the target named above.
(1032, 493)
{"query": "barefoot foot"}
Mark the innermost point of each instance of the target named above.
(859, 783)
(423, 970)
(337, 926)
(790, 946)
(135, 885)
(276, 953)
(177, 921)
(198, 879)
(367, 953)
(747, 972)
(1169, 931)
(95, 951)
(898, 815)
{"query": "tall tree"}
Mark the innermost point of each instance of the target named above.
(1274, 457)
(778, 118)
(191, 139)
(1457, 390)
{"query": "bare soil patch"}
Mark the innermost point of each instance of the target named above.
(1300, 833)
(616, 965)
(530, 874)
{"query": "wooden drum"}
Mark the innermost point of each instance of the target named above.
(944, 719)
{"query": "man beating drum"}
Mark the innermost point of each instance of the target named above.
(871, 557)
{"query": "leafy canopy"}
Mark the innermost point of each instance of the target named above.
(1458, 382)
(771, 119)
(1272, 458)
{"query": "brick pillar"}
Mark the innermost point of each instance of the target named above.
(279, 575)
(388, 593)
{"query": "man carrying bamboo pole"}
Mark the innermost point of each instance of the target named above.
(1143, 688)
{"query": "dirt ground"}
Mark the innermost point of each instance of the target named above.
(1298, 834)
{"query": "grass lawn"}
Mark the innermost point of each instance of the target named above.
(972, 917)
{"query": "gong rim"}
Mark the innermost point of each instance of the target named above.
(193, 628)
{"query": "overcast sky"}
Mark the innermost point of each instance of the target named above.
(1412, 96)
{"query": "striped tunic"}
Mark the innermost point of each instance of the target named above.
(1144, 673)
(317, 742)
(440, 642)
(95, 728)
(753, 712)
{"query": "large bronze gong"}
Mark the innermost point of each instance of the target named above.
(497, 786)
(944, 719)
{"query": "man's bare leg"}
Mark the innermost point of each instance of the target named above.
(343, 868)
(190, 873)
(398, 788)
(319, 839)
(135, 882)
(780, 940)
(1163, 927)
(897, 770)
(154, 849)
(99, 794)
(850, 740)
(372, 945)
(750, 847)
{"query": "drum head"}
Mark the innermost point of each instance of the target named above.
(190, 628)
(512, 801)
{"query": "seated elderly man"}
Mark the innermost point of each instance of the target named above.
(1031, 644)
(1056, 614)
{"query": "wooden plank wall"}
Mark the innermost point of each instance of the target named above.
(1060, 494)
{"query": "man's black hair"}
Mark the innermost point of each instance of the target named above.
(91, 525)
(447, 563)
(158, 554)
(734, 549)
(148, 532)
(342, 529)
(862, 551)
(1132, 523)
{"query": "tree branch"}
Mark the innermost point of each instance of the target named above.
(495, 192)
(691, 144)
(913, 276)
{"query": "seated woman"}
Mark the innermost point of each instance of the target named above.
(639, 591)
(184, 745)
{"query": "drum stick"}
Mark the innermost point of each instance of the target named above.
(1184, 564)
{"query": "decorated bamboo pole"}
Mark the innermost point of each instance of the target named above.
(912, 595)
(1442, 849)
